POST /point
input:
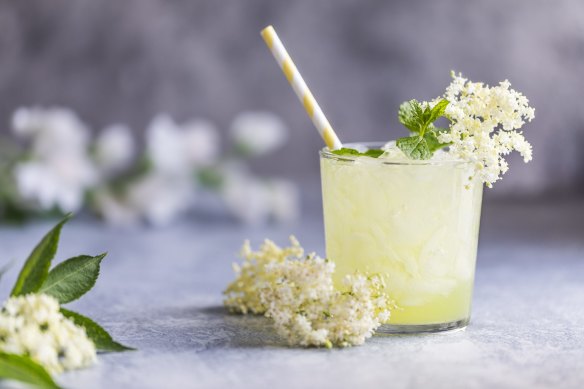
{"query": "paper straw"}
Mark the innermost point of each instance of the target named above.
(297, 82)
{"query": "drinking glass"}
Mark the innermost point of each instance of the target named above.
(415, 222)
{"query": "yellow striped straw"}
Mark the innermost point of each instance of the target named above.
(297, 82)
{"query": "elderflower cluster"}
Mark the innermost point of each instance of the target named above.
(243, 293)
(33, 325)
(298, 294)
(484, 125)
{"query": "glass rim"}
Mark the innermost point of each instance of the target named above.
(325, 152)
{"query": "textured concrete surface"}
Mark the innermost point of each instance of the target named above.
(160, 291)
(124, 61)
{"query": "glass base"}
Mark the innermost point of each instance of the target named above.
(422, 328)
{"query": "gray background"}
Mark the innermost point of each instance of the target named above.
(124, 61)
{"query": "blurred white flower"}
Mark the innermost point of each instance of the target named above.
(58, 171)
(161, 198)
(164, 145)
(247, 198)
(116, 210)
(114, 148)
(258, 133)
(51, 130)
(60, 181)
(201, 142)
(254, 201)
(284, 200)
(176, 149)
(155, 198)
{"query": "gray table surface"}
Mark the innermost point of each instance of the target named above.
(160, 291)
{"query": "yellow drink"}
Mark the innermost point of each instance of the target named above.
(416, 222)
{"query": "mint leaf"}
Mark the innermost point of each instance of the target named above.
(419, 119)
(100, 337)
(72, 278)
(414, 147)
(411, 114)
(373, 153)
(426, 115)
(433, 142)
(22, 368)
(36, 268)
(346, 151)
(437, 111)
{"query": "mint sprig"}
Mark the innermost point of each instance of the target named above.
(373, 153)
(419, 118)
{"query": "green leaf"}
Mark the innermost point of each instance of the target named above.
(23, 369)
(346, 151)
(438, 110)
(210, 177)
(36, 268)
(414, 147)
(426, 115)
(418, 118)
(102, 340)
(433, 142)
(373, 153)
(411, 114)
(72, 278)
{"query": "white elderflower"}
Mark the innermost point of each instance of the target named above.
(284, 200)
(298, 293)
(255, 201)
(247, 198)
(258, 133)
(60, 181)
(58, 171)
(115, 210)
(160, 198)
(242, 294)
(176, 150)
(33, 325)
(51, 130)
(155, 198)
(115, 148)
(309, 311)
(484, 125)
(201, 142)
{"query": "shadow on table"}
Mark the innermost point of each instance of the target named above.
(245, 331)
(200, 329)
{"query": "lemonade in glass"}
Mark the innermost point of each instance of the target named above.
(416, 222)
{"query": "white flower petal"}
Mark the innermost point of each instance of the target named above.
(258, 132)
(115, 148)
